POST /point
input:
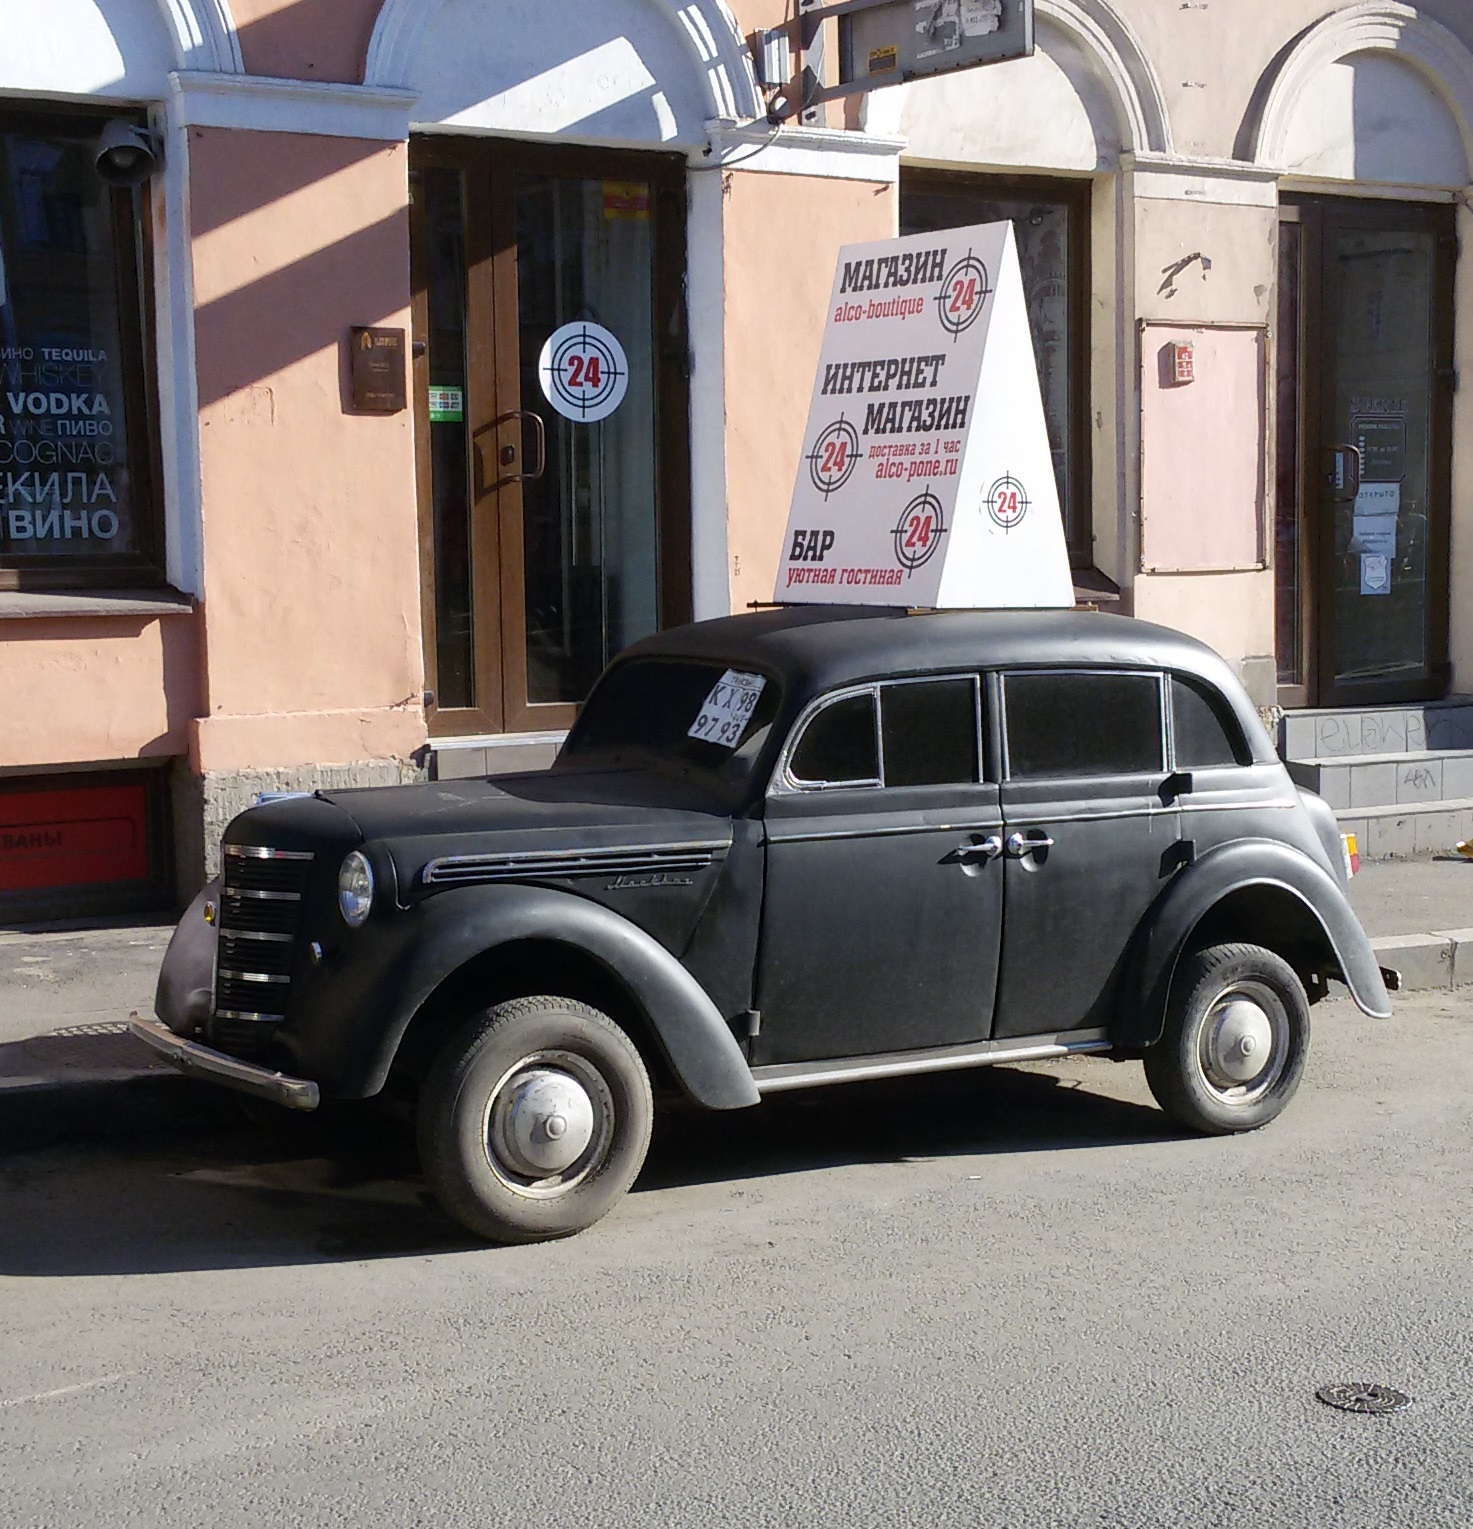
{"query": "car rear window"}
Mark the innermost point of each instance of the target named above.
(1203, 733)
(1062, 723)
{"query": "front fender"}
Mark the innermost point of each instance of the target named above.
(185, 991)
(347, 1036)
(1195, 891)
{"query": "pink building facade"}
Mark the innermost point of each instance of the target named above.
(225, 568)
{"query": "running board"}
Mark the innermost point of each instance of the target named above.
(898, 1064)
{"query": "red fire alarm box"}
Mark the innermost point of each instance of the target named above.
(1183, 362)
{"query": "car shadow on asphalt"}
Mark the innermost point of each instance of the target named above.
(347, 1186)
(953, 1114)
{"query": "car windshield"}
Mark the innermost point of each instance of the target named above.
(703, 718)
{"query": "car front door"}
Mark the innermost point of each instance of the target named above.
(1092, 836)
(882, 908)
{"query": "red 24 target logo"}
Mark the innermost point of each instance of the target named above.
(919, 531)
(964, 292)
(832, 460)
(1007, 502)
(584, 371)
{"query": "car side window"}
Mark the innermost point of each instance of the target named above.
(1203, 732)
(1061, 723)
(929, 732)
(840, 745)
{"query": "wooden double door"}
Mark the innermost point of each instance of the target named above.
(552, 532)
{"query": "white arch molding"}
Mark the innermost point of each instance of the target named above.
(707, 28)
(204, 35)
(1108, 39)
(1372, 27)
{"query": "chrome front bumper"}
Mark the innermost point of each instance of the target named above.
(191, 1057)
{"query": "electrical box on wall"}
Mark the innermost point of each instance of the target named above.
(773, 55)
(1182, 363)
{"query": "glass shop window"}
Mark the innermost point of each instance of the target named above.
(1064, 724)
(1050, 219)
(77, 505)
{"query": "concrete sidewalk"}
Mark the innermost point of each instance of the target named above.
(69, 1067)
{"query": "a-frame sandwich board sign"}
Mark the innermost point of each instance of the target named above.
(926, 477)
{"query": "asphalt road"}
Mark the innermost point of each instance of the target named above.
(1011, 1298)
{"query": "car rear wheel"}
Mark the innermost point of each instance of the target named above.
(1237, 1033)
(534, 1120)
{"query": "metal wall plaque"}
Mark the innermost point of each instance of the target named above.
(378, 370)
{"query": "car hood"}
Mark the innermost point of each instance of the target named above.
(542, 812)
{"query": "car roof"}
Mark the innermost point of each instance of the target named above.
(821, 647)
(814, 648)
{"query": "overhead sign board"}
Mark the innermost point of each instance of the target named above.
(910, 39)
(926, 477)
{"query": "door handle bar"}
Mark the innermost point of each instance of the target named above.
(539, 438)
(1020, 844)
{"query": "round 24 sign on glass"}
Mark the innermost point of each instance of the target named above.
(583, 371)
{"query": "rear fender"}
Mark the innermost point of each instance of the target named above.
(1239, 876)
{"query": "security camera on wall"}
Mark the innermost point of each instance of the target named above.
(127, 154)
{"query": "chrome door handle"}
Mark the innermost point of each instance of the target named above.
(1020, 844)
(981, 849)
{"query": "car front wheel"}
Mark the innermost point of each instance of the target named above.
(534, 1120)
(1235, 1041)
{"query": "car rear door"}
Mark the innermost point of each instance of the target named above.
(882, 908)
(1091, 836)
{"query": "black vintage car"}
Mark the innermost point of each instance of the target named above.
(778, 850)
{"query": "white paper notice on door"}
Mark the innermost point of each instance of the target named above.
(1373, 534)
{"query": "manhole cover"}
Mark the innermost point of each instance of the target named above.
(1358, 1396)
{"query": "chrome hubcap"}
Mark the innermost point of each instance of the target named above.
(1245, 1041)
(548, 1124)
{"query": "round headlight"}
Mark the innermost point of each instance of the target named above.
(355, 889)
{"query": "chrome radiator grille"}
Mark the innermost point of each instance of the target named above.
(260, 903)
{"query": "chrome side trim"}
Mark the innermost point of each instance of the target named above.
(896, 1064)
(257, 934)
(191, 1057)
(261, 897)
(619, 859)
(1190, 806)
(261, 852)
(1034, 815)
(887, 833)
(250, 1018)
(240, 976)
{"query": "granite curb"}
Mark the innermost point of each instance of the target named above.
(1441, 958)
